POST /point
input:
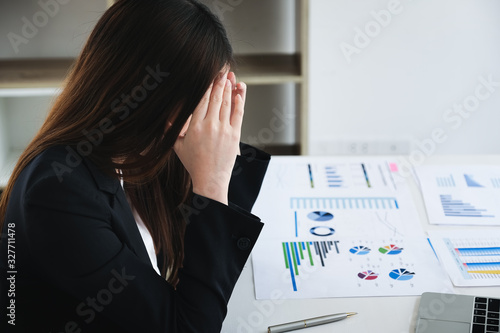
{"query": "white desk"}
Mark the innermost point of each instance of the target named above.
(375, 314)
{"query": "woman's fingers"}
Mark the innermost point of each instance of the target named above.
(226, 107)
(209, 149)
(220, 100)
(242, 90)
(238, 103)
(237, 114)
(232, 78)
(201, 110)
(238, 89)
(216, 98)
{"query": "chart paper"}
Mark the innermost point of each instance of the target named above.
(471, 258)
(340, 227)
(461, 195)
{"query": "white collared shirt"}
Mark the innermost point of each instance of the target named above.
(146, 236)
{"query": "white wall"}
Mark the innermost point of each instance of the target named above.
(400, 84)
(25, 116)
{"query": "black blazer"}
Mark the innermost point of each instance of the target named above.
(82, 265)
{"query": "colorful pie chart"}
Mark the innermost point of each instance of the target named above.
(401, 274)
(368, 275)
(390, 249)
(359, 250)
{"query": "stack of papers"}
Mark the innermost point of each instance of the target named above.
(340, 227)
(464, 195)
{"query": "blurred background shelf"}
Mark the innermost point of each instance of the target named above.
(269, 68)
(251, 69)
(33, 73)
(270, 44)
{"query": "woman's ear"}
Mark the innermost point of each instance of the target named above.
(184, 128)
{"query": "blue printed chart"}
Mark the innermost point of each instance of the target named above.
(471, 257)
(339, 241)
(462, 195)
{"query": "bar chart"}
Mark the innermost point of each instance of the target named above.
(333, 177)
(344, 203)
(446, 181)
(477, 259)
(298, 254)
(461, 195)
(458, 208)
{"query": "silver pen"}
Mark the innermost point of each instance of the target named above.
(296, 325)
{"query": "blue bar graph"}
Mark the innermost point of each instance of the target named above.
(290, 266)
(475, 259)
(459, 208)
(385, 203)
(294, 252)
(447, 181)
(333, 178)
(478, 251)
(482, 267)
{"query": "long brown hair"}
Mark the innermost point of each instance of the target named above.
(147, 63)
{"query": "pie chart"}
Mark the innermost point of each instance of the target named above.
(390, 249)
(326, 231)
(368, 275)
(401, 274)
(320, 216)
(359, 250)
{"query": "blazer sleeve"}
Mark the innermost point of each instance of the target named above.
(248, 173)
(71, 237)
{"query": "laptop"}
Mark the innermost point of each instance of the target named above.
(449, 313)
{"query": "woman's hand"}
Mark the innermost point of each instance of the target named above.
(209, 147)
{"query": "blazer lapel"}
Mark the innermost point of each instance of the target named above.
(124, 225)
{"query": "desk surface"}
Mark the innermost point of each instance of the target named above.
(375, 314)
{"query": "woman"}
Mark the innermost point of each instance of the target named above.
(127, 211)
